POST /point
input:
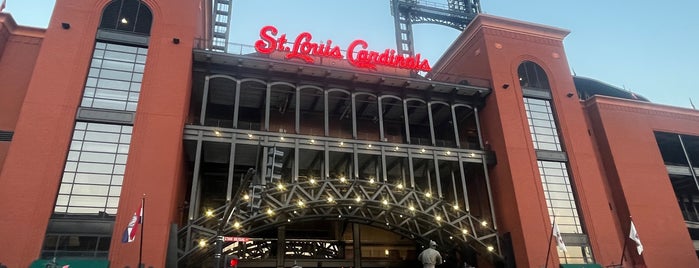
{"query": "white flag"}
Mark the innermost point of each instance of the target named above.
(634, 236)
(559, 238)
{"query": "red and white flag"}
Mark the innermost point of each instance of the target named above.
(559, 239)
(132, 228)
(633, 234)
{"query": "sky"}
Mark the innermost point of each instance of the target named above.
(648, 47)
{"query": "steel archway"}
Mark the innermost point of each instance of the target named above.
(393, 207)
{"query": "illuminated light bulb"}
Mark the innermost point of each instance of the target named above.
(451, 237)
(280, 186)
(209, 213)
(369, 146)
(428, 195)
(484, 223)
(358, 199)
(386, 252)
(411, 208)
(400, 186)
(350, 207)
(124, 21)
(313, 141)
(422, 150)
(281, 138)
(236, 225)
(464, 231)
(472, 155)
(438, 218)
(217, 133)
(250, 135)
(342, 143)
(385, 202)
(343, 179)
(330, 199)
(448, 153)
(312, 181)
(288, 220)
(456, 207)
(202, 243)
(246, 197)
(491, 248)
(371, 181)
(396, 149)
(270, 211)
(300, 203)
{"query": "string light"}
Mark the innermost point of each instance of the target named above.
(400, 186)
(270, 211)
(312, 181)
(411, 208)
(484, 223)
(209, 213)
(280, 186)
(246, 197)
(385, 202)
(217, 133)
(358, 199)
(330, 199)
(438, 218)
(428, 195)
(464, 231)
(250, 135)
(371, 180)
(343, 179)
(202, 243)
(491, 248)
(456, 207)
(236, 225)
(300, 203)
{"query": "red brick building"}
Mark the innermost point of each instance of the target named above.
(325, 163)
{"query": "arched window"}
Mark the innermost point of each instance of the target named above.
(531, 75)
(128, 16)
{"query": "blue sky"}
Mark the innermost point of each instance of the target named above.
(649, 47)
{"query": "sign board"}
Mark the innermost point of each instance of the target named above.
(358, 54)
(235, 239)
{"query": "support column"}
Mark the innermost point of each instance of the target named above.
(281, 245)
(357, 245)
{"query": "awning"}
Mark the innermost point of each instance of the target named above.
(587, 265)
(72, 263)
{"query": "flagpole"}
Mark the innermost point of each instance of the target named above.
(548, 251)
(626, 239)
(143, 216)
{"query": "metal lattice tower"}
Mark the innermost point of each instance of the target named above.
(456, 14)
(220, 25)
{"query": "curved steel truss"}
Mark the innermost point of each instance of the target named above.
(394, 207)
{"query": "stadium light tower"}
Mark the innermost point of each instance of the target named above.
(456, 14)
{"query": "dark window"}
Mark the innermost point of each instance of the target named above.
(531, 75)
(127, 15)
(6, 135)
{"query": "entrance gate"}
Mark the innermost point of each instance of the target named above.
(392, 207)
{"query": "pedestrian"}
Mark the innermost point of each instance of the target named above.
(430, 256)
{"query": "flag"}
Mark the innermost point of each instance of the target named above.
(634, 236)
(132, 228)
(2, 6)
(559, 238)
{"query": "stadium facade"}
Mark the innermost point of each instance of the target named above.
(307, 152)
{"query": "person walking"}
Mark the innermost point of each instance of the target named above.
(430, 256)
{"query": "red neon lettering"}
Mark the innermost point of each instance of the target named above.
(357, 53)
(266, 44)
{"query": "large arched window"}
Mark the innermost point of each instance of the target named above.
(128, 16)
(531, 75)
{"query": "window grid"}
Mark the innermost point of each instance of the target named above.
(94, 169)
(542, 124)
(559, 196)
(114, 79)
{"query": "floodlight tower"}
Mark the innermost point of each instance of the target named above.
(456, 14)
(220, 25)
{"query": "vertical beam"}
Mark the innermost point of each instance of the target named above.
(380, 111)
(411, 170)
(236, 108)
(355, 160)
(407, 124)
(456, 127)
(438, 178)
(463, 182)
(431, 120)
(689, 161)
(297, 115)
(354, 117)
(383, 164)
(231, 169)
(326, 114)
(268, 100)
(490, 192)
(263, 174)
(357, 245)
(295, 171)
(204, 101)
(478, 128)
(193, 205)
(281, 246)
